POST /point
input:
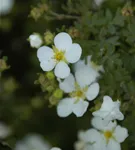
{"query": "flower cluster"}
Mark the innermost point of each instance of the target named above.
(101, 136)
(80, 85)
(105, 134)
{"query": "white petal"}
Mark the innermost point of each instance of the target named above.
(79, 145)
(85, 76)
(62, 70)
(92, 135)
(74, 53)
(116, 114)
(100, 113)
(79, 65)
(47, 65)
(65, 107)
(35, 141)
(89, 59)
(55, 148)
(4, 130)
(113, 145)
(108, 103)
(21, 146)
(45, 53)
(100, 124)
(93, 91)
(80, 108)
(63, 41)
(68, 85)
(120, 134)
(81, 135)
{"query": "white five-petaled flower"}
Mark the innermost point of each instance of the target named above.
(109, 110)
(95, 69)
(90, 140)
(6, 6)
(80, 88)
(112, 133)
(35, 40)
(4, 130)
(60, 55)
(32, 142)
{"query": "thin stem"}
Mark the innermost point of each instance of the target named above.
(62, 16)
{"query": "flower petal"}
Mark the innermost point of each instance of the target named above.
(92, 135)
(117, 115)
(45, 53)
(62, 70)
(79, 65)
(85, 76)
(74, 53)
(79, 145)
(55, 148)
(120, 134)
(68, 85)
(113, 145)
(100, 113)
(35, 141)
(21, 146)
(63, 41)
(107, 104)
(92, 91)
(80, 108)
(100, 124)
(65, 107)
(47, 65)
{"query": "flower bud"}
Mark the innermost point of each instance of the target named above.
(3, 65)
(127, 11)
(53, 101)
(50, 88)
(58, 93)
(50, 75)
(48, 37)
(74, 33)
(35, 40)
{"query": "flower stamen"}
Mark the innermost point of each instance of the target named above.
(108, 134)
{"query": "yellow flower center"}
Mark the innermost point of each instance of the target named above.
(108, 135)
(59, 55)
(79, 92)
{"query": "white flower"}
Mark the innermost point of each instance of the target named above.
(95, 69)
(4, 130)
(63, 52)
(55, 148)
(6, 6)
(32, 142)
(112, 133)
(90, 140)
(35, 40)
(79, 88)
(99, 2)
(109, 110)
